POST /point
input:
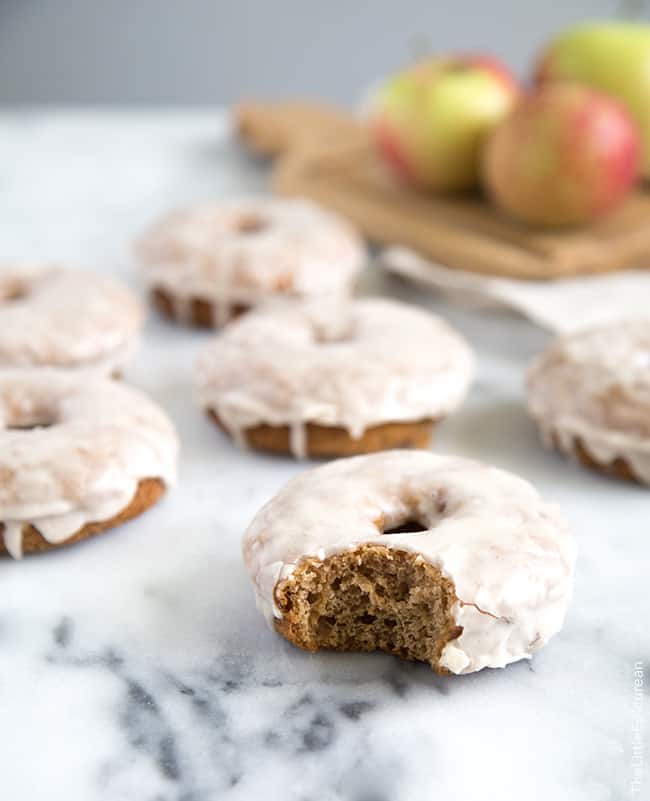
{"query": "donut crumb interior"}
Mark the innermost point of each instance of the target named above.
(367, 599)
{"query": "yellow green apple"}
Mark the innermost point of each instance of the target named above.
(612, 57)
(430, 121)
(565, 155)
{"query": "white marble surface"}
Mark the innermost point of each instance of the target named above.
(136, 666)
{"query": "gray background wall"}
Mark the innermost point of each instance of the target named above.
(194, 52)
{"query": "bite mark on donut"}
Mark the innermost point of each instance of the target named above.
(366, 599)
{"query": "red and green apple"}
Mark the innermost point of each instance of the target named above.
(565, 155)
(612, 57)
(430, 121)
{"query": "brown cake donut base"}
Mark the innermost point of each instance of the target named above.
(148, 492)
(328, 441)
(367, 599)
(199, 312)
(619, 468)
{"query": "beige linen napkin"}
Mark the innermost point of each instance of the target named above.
(561, 306)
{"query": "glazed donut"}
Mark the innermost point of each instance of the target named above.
(77, 456)
(332, 379)
(432, 558)
(57, 317)
(589, 394)
(207, 264)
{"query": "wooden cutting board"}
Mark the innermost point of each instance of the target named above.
(323, 154)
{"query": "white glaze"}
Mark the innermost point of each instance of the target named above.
(509, 555)
(201, 253)
(101, 439)
(594, 386)
(66, 318)
(352, 364)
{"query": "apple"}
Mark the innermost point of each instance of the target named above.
(430, 121)
(565, 155)
(612, 57)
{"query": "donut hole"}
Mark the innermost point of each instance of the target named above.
(30, 426)
(251, 223)
(367, 599)
(407, 527)
(34, 419)
(413, 519)
(12, 292)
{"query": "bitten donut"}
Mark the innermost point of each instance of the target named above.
(334, 379)
(56, 317)
(589, 394)
(207, 264)
(432, 558)
(77, 457)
